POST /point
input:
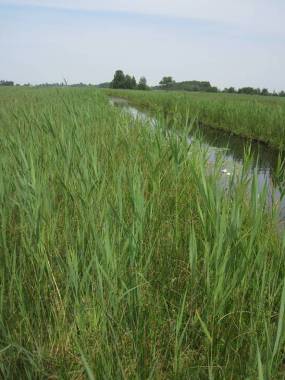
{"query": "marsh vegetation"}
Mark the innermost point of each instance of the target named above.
(121, 255)
(254, 117)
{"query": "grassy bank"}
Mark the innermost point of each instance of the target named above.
(255, 117)
(122, 258)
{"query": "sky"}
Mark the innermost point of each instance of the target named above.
(228, 42)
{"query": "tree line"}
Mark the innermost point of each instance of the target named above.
(168, 83)
(123, 81)
(6, 83)
(253, 91)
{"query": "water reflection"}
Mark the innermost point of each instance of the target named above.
(264, 159)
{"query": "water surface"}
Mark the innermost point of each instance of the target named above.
(264, 159)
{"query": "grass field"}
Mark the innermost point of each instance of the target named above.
(255, 117)
(122, 257)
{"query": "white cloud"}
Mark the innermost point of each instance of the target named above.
(50, 46)
(256, 15)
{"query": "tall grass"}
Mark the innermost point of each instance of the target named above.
(122, 257)
(254, 117)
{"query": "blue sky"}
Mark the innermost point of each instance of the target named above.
(230, 43)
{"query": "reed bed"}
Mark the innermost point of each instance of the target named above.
(254, 117)
(122, 257)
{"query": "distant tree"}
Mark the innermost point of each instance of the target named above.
(230, 90)
(166, 81)
(192, 85)
(142, 84)
(212, 89)
(104, 85)
(133, 83)
(130, 82)
(119, 80)
(246, 90)
(80, 84)
(282, 93)
(250, 91)
(264, 92)
(6, 83)
(274, 93)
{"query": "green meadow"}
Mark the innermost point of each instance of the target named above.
(260, 118)
(121, 255)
